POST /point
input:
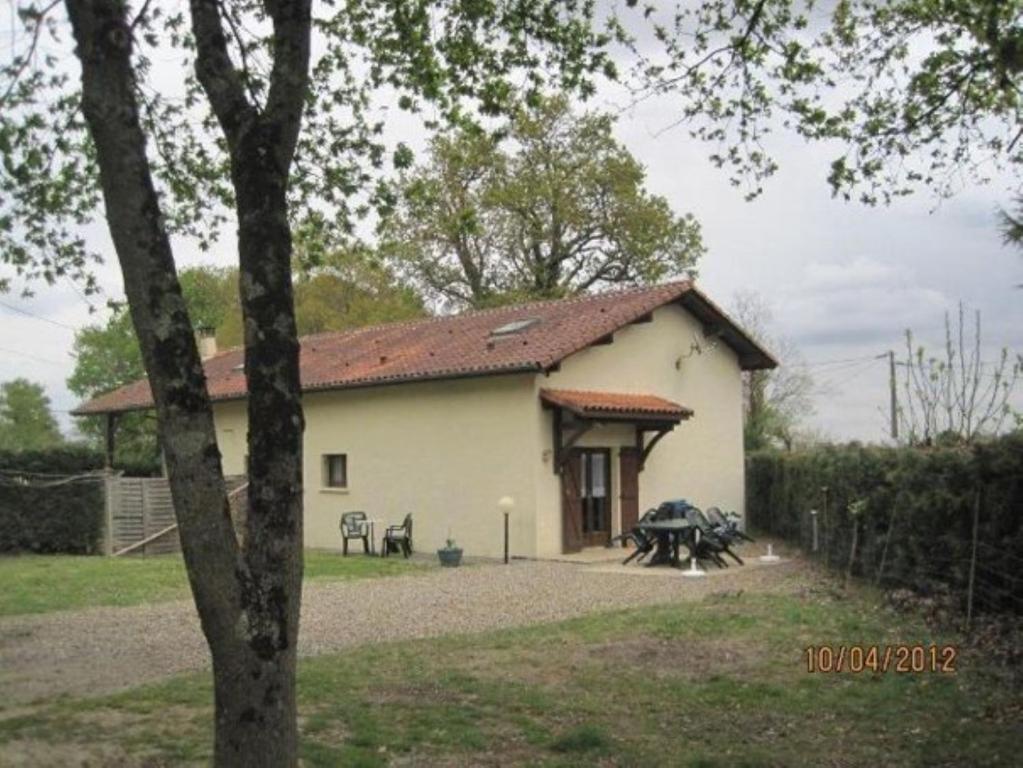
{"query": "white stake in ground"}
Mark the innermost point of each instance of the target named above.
(694, 571)
(770, 557)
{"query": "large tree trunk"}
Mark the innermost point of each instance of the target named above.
(248, 601)
(274, 524)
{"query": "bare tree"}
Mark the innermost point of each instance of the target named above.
(956, 395)
(775, 402)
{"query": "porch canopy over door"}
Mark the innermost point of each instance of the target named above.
(576, 412)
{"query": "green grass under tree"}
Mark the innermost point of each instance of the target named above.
(43, 583)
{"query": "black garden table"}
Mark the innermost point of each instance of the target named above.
(671, 535)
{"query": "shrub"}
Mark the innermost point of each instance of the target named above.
(917, 520)
(40, 511)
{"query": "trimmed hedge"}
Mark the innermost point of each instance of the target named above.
(920, 502)
(38, 516)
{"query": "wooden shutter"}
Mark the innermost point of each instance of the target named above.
(628, 464)
(571, 503)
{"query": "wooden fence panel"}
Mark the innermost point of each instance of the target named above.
(127, 516)
(158, 514)
(141, 507)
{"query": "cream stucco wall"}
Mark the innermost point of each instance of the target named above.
(701, 460)
(445, 451)
(448, 450)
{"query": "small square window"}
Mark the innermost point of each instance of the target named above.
(335, 470)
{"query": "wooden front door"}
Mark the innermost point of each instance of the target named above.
(595, 495)
(571, 504)
(628, 470)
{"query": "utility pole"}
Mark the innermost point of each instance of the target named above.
(894, 399)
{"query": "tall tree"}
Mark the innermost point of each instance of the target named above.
(777, 402)
(914, 93)
(249, 131)
(108, 356)
(340, 289)
(26, 422)
(346, 290)
(554, 207)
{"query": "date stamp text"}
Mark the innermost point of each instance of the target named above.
(903, 659)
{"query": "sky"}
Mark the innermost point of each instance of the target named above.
(843, 281)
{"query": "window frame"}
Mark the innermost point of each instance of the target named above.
(327, 476)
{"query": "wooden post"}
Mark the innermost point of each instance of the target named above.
(854, 512)
(506, 538)
(973, 559)
(852, 552)
(887, 541)
(827, 530)
(109, 490)
(111, 438)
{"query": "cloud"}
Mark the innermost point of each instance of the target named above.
(862, 301)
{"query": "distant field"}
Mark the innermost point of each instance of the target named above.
(43, 583)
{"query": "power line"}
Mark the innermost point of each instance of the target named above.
(85, 301)
(844, 375)
(34, 316)
(819, 363)
(32, 357)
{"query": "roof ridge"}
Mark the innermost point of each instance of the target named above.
(449, 346)
(577, 298)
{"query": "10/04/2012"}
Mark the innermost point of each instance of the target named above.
(915, 658)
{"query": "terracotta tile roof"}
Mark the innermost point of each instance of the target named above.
(450, 346)
(597, 404)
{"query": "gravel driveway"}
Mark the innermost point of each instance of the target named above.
(100, 650)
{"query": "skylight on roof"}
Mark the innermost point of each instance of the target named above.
(516, 326)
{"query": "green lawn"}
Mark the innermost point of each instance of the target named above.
(717, 683)
(41, 583)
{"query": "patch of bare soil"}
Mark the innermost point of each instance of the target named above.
(686, 658)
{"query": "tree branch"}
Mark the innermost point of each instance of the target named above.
(217, 73)
(290, 74)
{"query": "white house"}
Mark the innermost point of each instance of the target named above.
(583, 410)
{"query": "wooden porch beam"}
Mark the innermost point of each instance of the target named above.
(563, 446)
(644, 447)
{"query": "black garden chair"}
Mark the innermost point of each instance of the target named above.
(398, 538)
(726, 525)
(708, 544)
(644, 542)
(354, 526)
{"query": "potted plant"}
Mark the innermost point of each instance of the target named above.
(450, 555)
